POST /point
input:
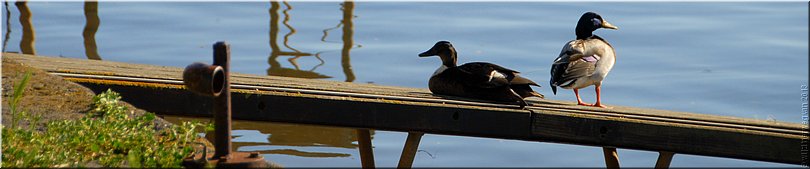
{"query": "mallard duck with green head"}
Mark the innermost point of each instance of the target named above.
(586, 60)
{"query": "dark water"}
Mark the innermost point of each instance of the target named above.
(744, 59)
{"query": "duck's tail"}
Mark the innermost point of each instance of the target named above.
(554, 89)
(525, 91)
(535, 94)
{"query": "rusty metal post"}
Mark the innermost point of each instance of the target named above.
(222, 103)
(214, 81)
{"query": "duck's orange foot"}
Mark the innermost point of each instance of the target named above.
(583, 104)
(600, 105)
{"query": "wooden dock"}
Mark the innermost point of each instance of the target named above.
(291, 100)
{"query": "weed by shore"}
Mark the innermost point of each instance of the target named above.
(109, 136)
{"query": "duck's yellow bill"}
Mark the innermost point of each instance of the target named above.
(607, 25)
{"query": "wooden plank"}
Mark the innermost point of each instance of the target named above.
(666, 136)
(331, 111)
(70, 65)
(291, 100)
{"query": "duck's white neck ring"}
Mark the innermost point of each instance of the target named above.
(440, 70)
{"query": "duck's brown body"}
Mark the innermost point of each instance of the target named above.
(448, 83)
(477, 80)
(445, 86)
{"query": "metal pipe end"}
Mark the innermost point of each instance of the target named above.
(204, 79)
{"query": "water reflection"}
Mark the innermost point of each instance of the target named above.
(348, 40)
(275, 67)
(28, 37)
(283, 134)
(89, 33)
(298, 136)
(8, 26)
(294, 134)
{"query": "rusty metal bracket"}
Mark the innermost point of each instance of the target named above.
(213, 81)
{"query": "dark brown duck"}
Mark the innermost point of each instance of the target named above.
(478, 80)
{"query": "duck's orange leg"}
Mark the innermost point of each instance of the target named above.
(579, 100)
(599, 97)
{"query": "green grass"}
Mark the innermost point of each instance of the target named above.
(107, 135)
(15, 99)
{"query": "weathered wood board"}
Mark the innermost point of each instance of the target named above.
(292, 100)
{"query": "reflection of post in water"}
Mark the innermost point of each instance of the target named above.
(288, 135)
(303, 135)
(348, 40)
(275, 67)
(28, 37)
(292, 30)
(90, 28)
(8, 25)
(299, 135)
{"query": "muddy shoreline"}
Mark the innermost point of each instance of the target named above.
(51, 97)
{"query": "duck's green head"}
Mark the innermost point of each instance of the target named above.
(589, 22)
(444, 50)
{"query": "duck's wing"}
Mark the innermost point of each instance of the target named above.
(486, 75)
(520, 80)
(574, 70)
(512, 75)
(571, 65)
(498, 68)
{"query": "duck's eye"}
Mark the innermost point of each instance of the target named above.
(597, 22)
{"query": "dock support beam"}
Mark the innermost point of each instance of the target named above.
(409, 151)
(611, 157)
(664, 159)
(366, 153)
